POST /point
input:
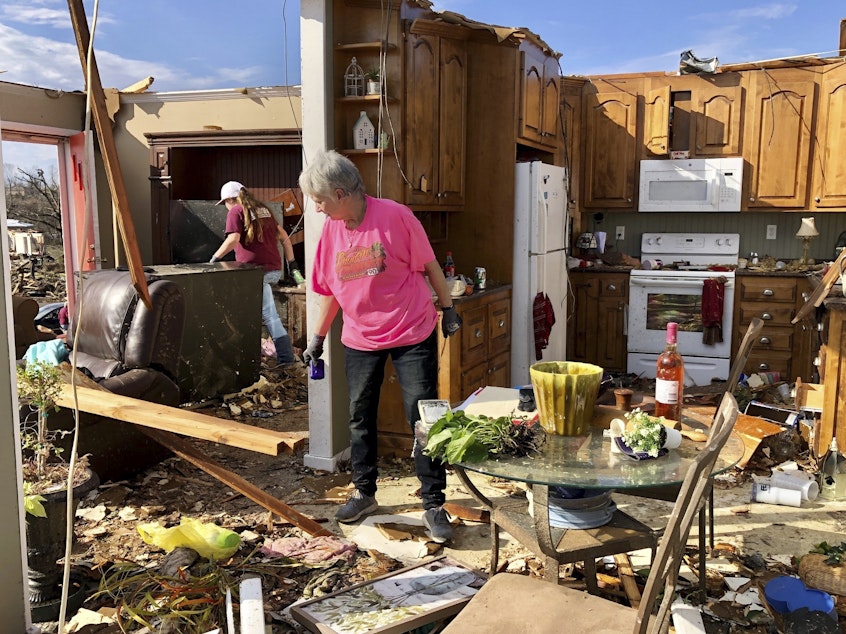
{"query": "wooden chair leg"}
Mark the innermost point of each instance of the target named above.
(494, 548)
(590, 575)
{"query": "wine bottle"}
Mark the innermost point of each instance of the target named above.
(449, 265)
(669, 377)
(832, 476)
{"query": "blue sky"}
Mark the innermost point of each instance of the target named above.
(205, 44)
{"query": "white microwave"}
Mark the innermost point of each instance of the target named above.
(711, 184)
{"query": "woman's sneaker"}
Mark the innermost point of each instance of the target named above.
(358, 505)
(437, 524)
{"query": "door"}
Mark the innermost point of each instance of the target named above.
(830, 143)
(79, 213)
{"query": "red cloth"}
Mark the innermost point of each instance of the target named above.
(713, 297)
(544, 318)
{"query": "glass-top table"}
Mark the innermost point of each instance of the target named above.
(587, 462)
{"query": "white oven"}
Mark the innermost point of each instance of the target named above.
(673, 292)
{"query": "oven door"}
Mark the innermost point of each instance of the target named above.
(656, 300)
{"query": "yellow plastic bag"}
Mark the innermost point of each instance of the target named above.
(209, 540)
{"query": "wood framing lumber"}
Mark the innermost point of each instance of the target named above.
(628, 578)
(108, 149)
(173, 419)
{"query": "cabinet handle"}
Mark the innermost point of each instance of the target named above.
(764, 366)
(766, 317)
(767, 292)
(751, 199)
(477, 333)
(501, 323)
(628, 200)
(765, 341)
(816, 200)
(611, 287)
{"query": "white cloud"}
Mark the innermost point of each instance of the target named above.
(27, 14)
(39, 61)
(766, 11)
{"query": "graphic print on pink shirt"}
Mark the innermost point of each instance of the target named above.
(359, 262)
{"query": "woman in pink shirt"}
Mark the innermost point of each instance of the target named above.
(372, 262)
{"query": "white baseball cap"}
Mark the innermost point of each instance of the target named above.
(230, 190)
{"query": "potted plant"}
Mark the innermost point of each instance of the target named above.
(45, 484)
(374, 84)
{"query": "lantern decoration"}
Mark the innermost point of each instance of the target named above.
(364, 134)
(353, 80)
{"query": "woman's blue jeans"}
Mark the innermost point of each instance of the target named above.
(417, 371)
(269, 314)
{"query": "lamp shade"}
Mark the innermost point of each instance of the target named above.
(807, 229)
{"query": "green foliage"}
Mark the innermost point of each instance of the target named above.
(33, 502)
(461, 437)
(834, 554)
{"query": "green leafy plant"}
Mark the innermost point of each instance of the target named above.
(644, 432)
(461, 437)
(372, 74)
(834, 554)
(39, 385)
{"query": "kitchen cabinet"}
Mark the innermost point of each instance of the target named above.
(597, 324)
(478, 354)
(698, 114)
(435, 114)
(777, 144)
(609, 169)
(781, 347)
(829, 179)
(540, 97)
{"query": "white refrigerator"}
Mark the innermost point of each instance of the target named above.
(540, 264)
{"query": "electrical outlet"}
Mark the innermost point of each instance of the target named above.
(620, 234)
(771, 232)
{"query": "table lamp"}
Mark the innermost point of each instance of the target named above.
(807, 230)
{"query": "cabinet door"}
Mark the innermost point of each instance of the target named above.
(452, 122)
(716, 120)
(779, 133)
(656, 122)
(551, 103)
(533, 80)
(829, 188)
(422, 105)
(610, 161)
(582, 333)
(499, 327)
(499, 370)
(611, 342)
(474, 341)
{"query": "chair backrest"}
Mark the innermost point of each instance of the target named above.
(118, 333)
(691, 496)
(743, 350)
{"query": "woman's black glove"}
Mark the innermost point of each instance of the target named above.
(450, 322)
(314, 350)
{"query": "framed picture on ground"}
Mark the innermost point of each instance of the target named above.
(397, 602)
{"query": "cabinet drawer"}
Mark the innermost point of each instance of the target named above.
(499, 327)
(615, 286)
(772, 361)
(768, 289)
(474, 341)
(499, 370)
(775, 339)
(772, 314)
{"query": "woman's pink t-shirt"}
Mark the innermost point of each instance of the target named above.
(375, 271)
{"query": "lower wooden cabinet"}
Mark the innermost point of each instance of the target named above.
(478, 355)
(596, 330)
(781, 347)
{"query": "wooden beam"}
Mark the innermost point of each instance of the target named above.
(191, 454)
(628, 578)
(173, 419)
(103, 125)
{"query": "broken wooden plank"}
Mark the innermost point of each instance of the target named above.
(108, 150)
(191, 454)
(467, 513)
(753, 430)
(173, 419)
(821, 291)
(628, 579)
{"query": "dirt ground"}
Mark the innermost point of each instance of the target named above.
(107, 522)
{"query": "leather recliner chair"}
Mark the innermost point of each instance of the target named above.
(131, 350)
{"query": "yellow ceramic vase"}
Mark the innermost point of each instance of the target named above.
(565, 393)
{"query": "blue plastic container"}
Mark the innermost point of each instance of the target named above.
(813, 599)
(780, 589)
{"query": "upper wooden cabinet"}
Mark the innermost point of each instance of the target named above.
(829, 173)
(777, 145)
(540, 97)
(436, 114)
(693, 113)
(609, 169)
